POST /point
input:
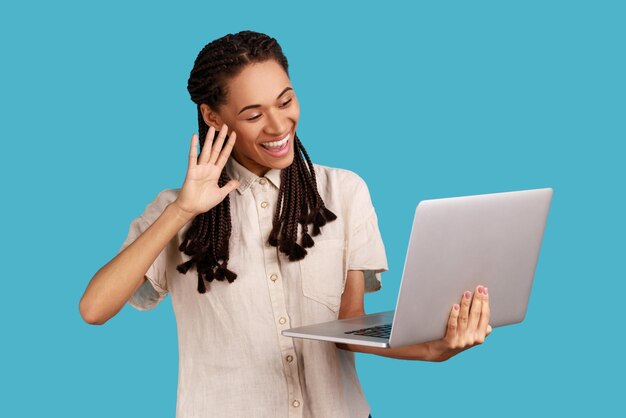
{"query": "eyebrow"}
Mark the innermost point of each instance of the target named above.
(258, 105)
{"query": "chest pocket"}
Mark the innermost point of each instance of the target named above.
(323, 272)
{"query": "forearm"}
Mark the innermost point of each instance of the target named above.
(422, 351)
(112, 286)
(428, 351)
(425, 351)
(462, 330)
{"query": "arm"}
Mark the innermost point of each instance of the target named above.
(113, 285)
(465, 328)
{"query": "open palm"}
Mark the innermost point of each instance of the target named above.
(200, 191)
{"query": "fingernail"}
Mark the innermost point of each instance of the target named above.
(467, 294)
(456, 307)
(480, 289)
(486, 290)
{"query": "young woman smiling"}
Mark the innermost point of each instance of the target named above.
(259, 239)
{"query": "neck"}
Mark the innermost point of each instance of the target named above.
(252, 166)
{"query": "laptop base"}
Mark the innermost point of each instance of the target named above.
(335, 331)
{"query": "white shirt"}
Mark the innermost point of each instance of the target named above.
(233, 360)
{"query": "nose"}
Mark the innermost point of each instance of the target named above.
(277, 124)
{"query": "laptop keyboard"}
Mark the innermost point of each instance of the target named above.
(379, 331)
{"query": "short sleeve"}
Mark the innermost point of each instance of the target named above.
(155, 289)
(366, 250)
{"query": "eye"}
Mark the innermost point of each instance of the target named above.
(282, 105)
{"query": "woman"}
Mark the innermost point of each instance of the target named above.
(258, 243)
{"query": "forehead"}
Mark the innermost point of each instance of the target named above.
(258, 83)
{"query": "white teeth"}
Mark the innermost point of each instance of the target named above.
(276, 144)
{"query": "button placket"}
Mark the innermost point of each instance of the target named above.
(262, 197)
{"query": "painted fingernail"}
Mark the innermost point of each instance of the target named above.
(456, 307)
(467, 294)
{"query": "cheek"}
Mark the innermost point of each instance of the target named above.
(296, 110)
(245, 140)
(294, 115)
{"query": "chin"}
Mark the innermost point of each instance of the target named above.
(286, 163)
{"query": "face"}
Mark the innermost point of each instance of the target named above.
(263, 110)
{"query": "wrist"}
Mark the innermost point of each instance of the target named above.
(436, 351)
(181, 213)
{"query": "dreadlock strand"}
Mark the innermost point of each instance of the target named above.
(298, 252)
(307, 241)
(327, 214)
(285, 240)
(273, 238)
(309, 174)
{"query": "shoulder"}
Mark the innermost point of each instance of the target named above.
(159, 203)
(168, 195)
(344, 192)
(165, 197)
(338, 178)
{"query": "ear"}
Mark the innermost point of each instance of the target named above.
(210, 117)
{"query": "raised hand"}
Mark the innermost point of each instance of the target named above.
(200, 191)
(468, 324)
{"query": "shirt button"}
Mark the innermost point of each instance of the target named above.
(264, 204)
(262, 181)
(289, 358)
(296, 403)
(273, 277)
(282, 320)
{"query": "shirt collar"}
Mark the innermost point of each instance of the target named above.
(246, 178)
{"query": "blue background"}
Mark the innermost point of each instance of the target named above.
(423, 101)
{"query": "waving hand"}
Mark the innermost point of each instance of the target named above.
(200, 191)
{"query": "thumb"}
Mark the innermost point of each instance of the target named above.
(230, 186)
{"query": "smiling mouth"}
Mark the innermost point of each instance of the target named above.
(276, 145)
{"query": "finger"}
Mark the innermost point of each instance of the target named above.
(217, 145)
(221, 161)
(465, 305)
(489, 329)
(453, 323)
(485, 312)
(476, 308)
(207, 146)
(193, 151)
(229, 187)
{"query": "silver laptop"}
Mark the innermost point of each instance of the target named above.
(456, 244)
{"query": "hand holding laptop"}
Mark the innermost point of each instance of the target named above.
(468, 325)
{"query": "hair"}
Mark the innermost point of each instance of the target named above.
(299, 202)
